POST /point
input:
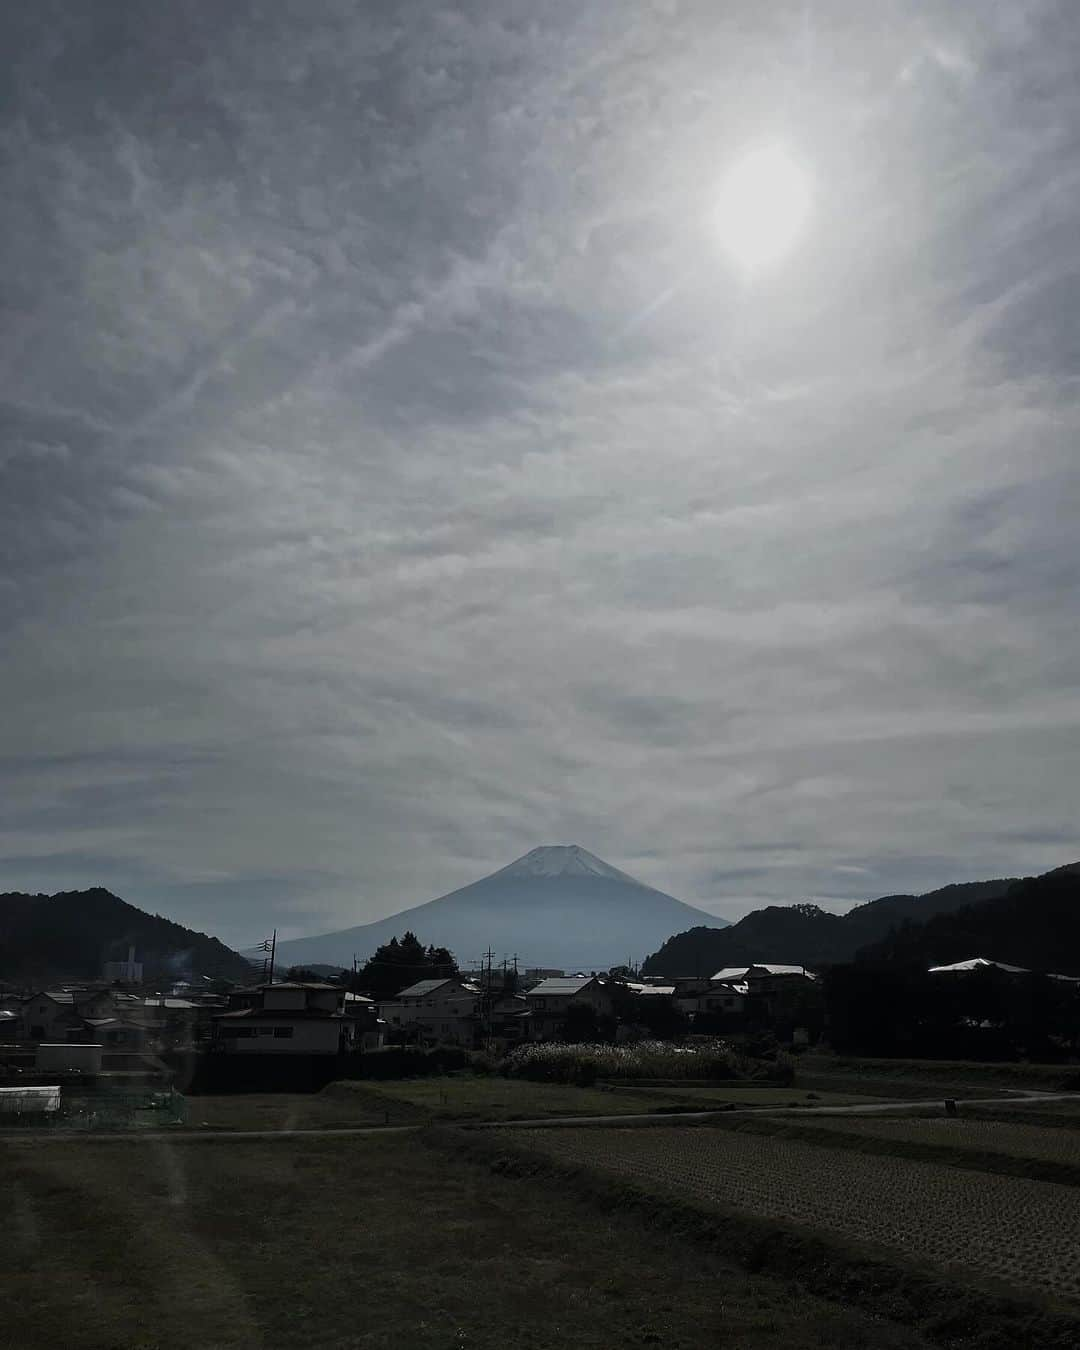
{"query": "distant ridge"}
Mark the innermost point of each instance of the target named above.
(558, 905)
(71, 934)
(807, 935)
(1034, 924)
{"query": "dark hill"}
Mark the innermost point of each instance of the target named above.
(71, 934)
(1036, 924)
(806, 935)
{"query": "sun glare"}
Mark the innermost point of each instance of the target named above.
(763, 207)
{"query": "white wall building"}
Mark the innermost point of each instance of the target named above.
(127, 972)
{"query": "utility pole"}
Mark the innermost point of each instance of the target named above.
(266, 947)
(273, 952)
(488, 997)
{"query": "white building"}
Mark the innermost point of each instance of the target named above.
(127, 972)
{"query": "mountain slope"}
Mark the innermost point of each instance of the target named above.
(1035, 924)
(557, 906)
(805, 934)
(71, 934)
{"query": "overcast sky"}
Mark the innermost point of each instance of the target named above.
(397, 472)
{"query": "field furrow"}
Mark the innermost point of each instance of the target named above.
(980, 1136)
(1024, 1232)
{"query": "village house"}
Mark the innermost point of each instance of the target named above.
(550, 1000)
(288, 1019)
(116, 1033)
(767, 986)
(369, 1031)
(446, 1010)
(60, 1014)
(727, 1001)
(173, 1023)
(507, 1021)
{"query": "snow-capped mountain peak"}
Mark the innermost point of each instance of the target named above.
(558, 906)
(563, 860)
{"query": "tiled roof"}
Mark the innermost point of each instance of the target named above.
(298, 984)
(978, 963)
(731, 973)
(420, 989)
(563, 986)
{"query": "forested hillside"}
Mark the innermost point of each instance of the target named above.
(1035, 924)
(71, 934)
(807, 935)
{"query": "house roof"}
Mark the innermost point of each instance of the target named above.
(733, 973)
(299, 984)
(279, 1015)
(563, 986)
(977, 963)
(663, 989)
(421, 989)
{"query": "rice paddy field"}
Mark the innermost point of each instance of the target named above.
(982, 1136)
(378, 1243)
(1006, 1229)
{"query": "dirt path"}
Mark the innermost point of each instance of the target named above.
(905, 1107)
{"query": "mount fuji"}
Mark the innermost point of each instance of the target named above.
(557, 906)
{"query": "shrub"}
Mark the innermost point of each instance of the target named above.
(553, 1062)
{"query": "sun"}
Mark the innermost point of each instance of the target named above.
(763, 207)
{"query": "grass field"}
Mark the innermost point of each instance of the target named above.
(360, 1244)
(1056, 1115)
(471, 1097)
(405, 1101)
(741, 1094)
(927, 1077)
(328, 1109)
(1026, 1233)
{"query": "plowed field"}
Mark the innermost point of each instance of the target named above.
(1024, 1232)
(980, 1136)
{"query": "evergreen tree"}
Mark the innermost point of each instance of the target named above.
(396, 965)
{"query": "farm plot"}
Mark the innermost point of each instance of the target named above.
(982, 1136)
(1023, 1232)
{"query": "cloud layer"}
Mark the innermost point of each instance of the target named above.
(396, 475)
